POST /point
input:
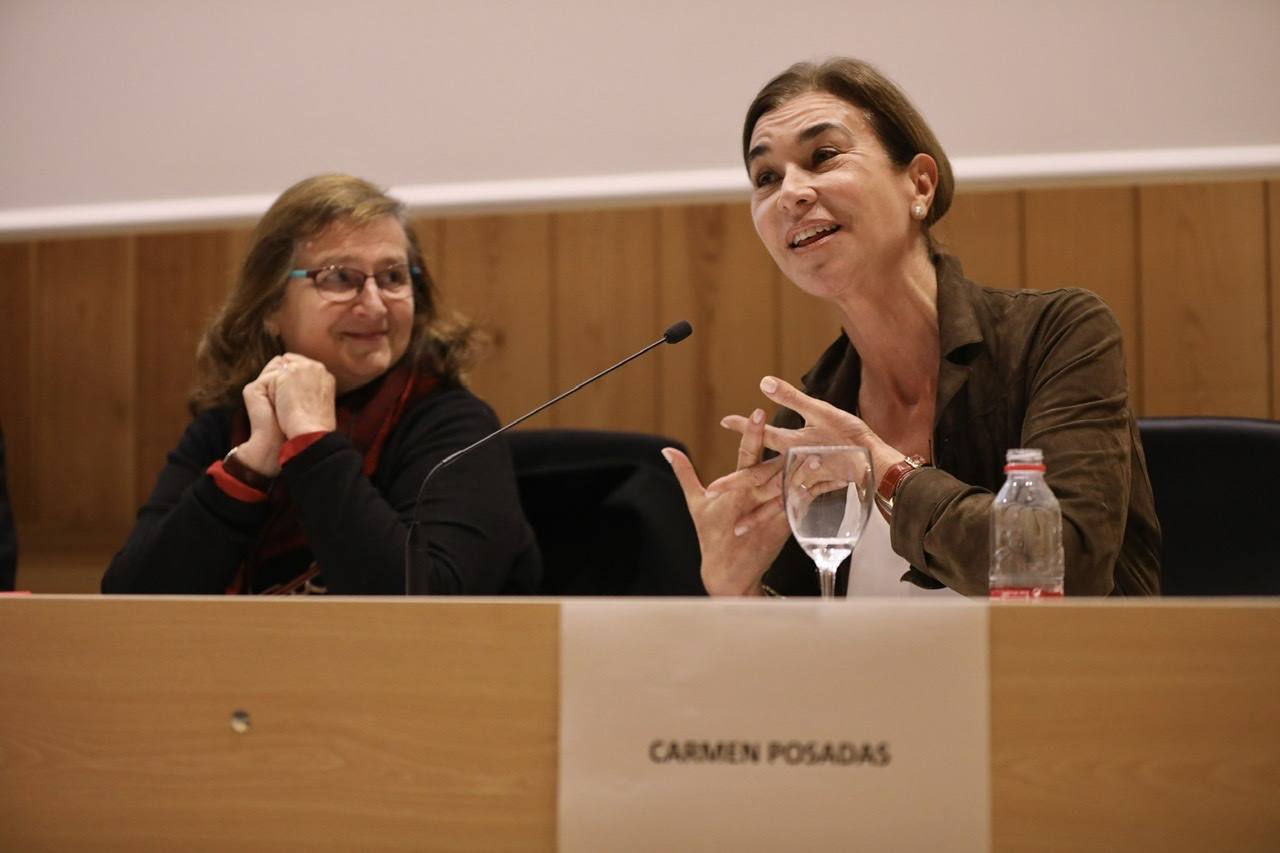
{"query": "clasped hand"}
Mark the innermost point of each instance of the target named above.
(740, 519)
(293, 395)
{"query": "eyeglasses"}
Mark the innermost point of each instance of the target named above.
(337, 283)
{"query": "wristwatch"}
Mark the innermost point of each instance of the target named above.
(244, 473)
(892, 479)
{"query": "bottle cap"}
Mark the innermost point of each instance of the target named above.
(1023, 459)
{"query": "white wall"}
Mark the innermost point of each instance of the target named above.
(223, 104)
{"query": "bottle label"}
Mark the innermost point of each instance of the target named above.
(1016, 593)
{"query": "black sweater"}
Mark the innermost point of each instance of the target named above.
(471, 539)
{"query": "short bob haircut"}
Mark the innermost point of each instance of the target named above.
(897, 123)
(236, 346)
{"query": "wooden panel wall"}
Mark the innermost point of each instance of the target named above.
(716, 274)
(497, 271)
(17, 275)
(97, 335)
(1088, 238)
(82, 391)
(1207, 299)
(605, 293)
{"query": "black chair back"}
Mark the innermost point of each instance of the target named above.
(1214, 482)
(608, 513)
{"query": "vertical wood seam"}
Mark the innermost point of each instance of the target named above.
(1138, 375)
(135, 384)
(135, 335)
(1268, 290)
(1020, 202)
(34, 332)
(33, 279)
(29, 398)
(553, 307)
(659, 314)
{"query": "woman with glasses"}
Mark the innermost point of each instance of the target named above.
(326, 389)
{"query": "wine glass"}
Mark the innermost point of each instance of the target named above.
(828, 494)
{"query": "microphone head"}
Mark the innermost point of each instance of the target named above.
(677, 332)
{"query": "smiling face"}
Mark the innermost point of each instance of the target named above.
(828, 203)
(359, 340)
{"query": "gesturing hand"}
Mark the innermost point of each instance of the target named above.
(823, 424)
(303, 394)
(741, 527)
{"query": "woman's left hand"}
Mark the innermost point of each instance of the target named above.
(303, 394)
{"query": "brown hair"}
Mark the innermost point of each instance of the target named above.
(897, 123)
(237, 345)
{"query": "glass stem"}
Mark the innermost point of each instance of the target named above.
(827, 580)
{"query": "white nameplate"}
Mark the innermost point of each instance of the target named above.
(774, 725)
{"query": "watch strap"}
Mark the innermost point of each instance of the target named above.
(242, 472)
(892, 479)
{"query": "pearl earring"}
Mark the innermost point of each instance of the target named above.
(918, 210)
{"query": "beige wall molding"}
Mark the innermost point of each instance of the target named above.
(1093, 168)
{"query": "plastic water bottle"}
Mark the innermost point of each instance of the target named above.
(1026, 532)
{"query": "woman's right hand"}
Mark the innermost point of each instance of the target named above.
(741, 528)
(262, 450)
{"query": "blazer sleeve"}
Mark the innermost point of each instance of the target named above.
(1077, 412)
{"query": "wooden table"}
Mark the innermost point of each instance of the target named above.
(432, 724)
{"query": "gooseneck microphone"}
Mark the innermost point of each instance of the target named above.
(674, 334)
